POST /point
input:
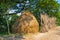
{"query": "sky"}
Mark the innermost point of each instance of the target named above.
(58, 1)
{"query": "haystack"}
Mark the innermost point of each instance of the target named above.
(26, 23)
(47, 23)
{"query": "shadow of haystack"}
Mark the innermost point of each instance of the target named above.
(47, 22)
(26, 23)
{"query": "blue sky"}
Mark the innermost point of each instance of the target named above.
(58, 1)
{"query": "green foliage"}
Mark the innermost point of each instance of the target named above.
(58, 18)
(2, 24)
(48, 6)
(12, 20)
(4, 6)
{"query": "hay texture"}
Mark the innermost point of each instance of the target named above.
(26, 23)
(47, 22)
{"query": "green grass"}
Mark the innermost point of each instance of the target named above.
(3, 33)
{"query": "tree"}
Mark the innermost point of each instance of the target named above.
(4, 20)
